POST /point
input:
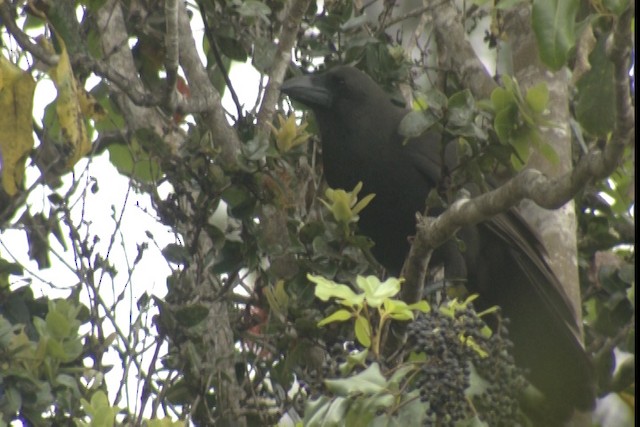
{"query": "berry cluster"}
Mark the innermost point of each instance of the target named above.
(451, 344)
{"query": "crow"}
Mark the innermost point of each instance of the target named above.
(502, 259)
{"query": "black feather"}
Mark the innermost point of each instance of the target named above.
(504, 260)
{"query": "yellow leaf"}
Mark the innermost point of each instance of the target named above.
(89, 106)
(344, 205)
(16, 131)
(69, 109)
(289, 135)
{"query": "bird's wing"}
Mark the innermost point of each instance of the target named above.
(427, 155)
(529, 253)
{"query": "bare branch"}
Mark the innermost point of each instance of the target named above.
(22, 39)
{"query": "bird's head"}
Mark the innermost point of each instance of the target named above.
(343, 88)
(343, 98)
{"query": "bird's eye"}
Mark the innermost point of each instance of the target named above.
(340, 82)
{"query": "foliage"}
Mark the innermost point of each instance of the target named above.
(237, 334)
(449, 357)
(375, 295)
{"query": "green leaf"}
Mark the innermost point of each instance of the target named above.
(398, 310)
(521, 145)
(502, 98)
(375, 292)
(55, 349)
(134, 162)
(435, 99)
(326, 289)
(507, 4)
(344, 205)
(549, 153)
(325, 412)
(191, 314)
(176, 253)
(369, 381)
(354, 359)
(537, 97)
(421, 305)
(554, 28)
(232, 48)
(415, 123)
(505, 123)
(254, 9)
(595, 102)
(363, 331)
(58, 324)
(616, 6)
(240, 200)
(338, 316)
(263, 54)
(99, 410)
(462, 112)
(399, 375)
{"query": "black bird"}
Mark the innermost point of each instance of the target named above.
(503, 260)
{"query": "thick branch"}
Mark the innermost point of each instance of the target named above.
(204, 94)
(171, 47)
(113, 37)
(281, 61)
(451, 36)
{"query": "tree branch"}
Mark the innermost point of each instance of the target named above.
(171, 49)
(216, 54)
(129, 88)
(204, 96)
(451, 36)
(530, 184)
(22, 39)
(281, 61)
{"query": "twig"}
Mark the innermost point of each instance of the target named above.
(216, 54)
(23, 40)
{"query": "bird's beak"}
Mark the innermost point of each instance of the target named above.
(308, 90)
